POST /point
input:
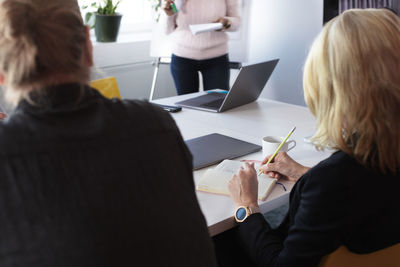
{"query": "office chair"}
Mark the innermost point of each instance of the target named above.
(108, 87)
(388, 257)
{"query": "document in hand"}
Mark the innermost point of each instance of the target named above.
(216, 180)
(207, 27)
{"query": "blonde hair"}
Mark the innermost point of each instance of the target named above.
(352, 86)
(39, 41)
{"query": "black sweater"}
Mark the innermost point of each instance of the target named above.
(88, 181)
(338, 202)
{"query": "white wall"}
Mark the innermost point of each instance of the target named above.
(284, 29)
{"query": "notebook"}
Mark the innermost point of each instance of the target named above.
(247, 88)
(216, 180)
(213, 148)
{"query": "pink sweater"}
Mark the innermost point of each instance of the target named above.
(205, 45)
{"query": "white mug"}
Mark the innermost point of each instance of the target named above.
(271, 143)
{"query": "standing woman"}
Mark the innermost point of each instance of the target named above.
(206, 52)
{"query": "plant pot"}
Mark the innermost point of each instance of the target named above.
(107, 27)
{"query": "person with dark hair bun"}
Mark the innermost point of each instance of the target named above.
(85, 180)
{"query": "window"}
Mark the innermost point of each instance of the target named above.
(137, 14)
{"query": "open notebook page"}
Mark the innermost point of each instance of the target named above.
(216, 180)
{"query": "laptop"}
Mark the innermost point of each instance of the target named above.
(213, 148)
(247, 88)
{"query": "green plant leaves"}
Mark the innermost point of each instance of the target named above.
(156, 5)
(108, 8)
(90, 19)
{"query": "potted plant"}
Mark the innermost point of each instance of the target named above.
(104, 20)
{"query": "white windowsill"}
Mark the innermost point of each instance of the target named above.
(130, 48)
(123, 38)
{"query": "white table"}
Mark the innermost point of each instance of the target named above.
(250, 123)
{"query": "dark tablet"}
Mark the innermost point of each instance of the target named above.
(214, 148)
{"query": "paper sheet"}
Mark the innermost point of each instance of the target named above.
(207, 27)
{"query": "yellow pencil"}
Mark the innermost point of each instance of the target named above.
(277, 150)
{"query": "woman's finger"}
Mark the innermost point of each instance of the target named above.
(251, 160)
(266, 160)
(270, 167)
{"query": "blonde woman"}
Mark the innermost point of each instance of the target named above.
(84, 180)
(352, 86)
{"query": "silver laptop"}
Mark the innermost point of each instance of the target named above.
(247, 88)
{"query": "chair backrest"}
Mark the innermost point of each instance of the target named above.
(388, 257)
(108, 87)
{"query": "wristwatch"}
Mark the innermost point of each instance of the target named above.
(242, 212)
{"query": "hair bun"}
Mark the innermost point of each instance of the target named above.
(41, 41)
(19, 30)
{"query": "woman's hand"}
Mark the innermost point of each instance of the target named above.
(2, 116)
(226, 24)
(283, 166)
(243, 186)
(167, 7)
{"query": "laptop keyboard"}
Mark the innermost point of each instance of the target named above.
(214, 104)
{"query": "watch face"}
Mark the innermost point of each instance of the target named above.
(241, 214)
